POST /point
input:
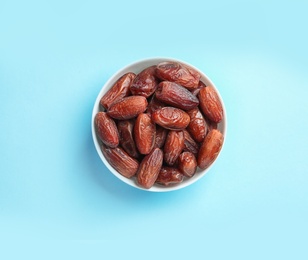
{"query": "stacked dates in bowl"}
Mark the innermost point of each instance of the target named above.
(159, 124)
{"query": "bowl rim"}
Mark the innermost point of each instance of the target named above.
(108, 84)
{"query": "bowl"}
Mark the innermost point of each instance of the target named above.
(137, 67)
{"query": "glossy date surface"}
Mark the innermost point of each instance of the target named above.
(149, 168)
(178, 73)
(171, 118)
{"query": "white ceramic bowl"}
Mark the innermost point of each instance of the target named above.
(136, 67)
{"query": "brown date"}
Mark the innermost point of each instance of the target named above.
(197, 126)
(160, 137)
(210, 104)
(210, 148)
(128, 107)
(106, 129)
(121, 161)
(187, 164)
(144, 133)
(189, 143)
(149, 168)
(145, 82)
(178, 73)
(118, 91)
(127, 141)
(171, 118)
(176, 95)
(173, 147)
(169, 176)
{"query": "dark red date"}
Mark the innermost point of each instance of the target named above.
(197, 126)
(127, 141)
(171, 118)
(176, 95)
(169, 176)
(118, 91)
(106, 129)
(128, 107)
(210, 104)
(149, 168)
(178, 73)
(210, 148)
(145, 82)
(187, 164)
(174, 145)
(144, 133)
(121, 161)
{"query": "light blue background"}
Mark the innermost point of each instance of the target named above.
(56, 193)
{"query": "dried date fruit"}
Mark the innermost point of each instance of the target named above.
(148, 123)
(144, 133)
(128, 107)
(160, 137)
(178, 73)
(169, 176)
(127, 141)
(121, 161)
(197, 126)
(106, 129)
(210, 104)
(145, 82)
(171, 118)
(187, 164)
(176, 95)
(118, 91)
(173, 147)
(210, 148)
(149, 168)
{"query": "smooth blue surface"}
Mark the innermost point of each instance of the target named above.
(54, 58)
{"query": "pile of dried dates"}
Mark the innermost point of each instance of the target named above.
(160, 125)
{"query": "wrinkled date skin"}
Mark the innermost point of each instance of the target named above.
(197, 126)
(160, 137)
(121, 161)
(149, 168)
(160, 126)
(210, 104)
(176, 95)
(118, 91)
(145, 82)
(189, 143)
(106, 129)
(171, 118)
(174, 145)
(127, 141)
(178, 73)
(128, 107)
(187, 164)
(169, 176)
(144, 133)
(210, 148)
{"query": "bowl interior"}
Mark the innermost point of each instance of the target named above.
(137, 67)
